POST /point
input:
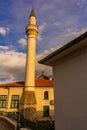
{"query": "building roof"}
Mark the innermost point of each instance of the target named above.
(32, 13)
(38, 83)
(13, 84)
(66, 46)
(43, 83)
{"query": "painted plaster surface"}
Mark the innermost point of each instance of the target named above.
(71, 93)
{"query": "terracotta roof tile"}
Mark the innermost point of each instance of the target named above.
(38, 83)
(43, 82)
(14, 84)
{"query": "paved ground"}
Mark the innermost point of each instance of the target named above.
(4, 126)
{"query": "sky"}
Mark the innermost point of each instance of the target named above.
(59, 21)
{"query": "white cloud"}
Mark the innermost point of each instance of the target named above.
(4, 47)
(40, 67)
(78, 32)
(12, 66)
(47, 52)
(3, 30)
(71, 32)
(22, 41)
(15, 58)
(41, 30)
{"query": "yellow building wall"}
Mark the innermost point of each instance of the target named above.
(9, 92)
(40, 102)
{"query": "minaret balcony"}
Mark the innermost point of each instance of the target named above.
(32, 27)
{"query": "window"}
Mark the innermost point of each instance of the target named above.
(46, 95)
(46, 111)
(15, 101)
(3, 99)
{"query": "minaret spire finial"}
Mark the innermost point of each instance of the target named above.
(32, 12)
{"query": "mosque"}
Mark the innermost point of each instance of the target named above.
(34, 97)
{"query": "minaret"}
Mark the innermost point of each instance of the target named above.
(31, 31)
(28, 100)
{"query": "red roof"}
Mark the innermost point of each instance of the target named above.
(38, 83)
(43, 82)
(14, 84)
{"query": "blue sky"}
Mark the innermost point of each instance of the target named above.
(59, 22)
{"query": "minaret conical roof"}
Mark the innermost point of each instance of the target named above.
(32, 13)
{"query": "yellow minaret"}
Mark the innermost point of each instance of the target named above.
(31, 31)
(28, 100)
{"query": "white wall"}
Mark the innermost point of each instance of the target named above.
(70, 81)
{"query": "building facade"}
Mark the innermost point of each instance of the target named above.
(10, 96)
(70, 84)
